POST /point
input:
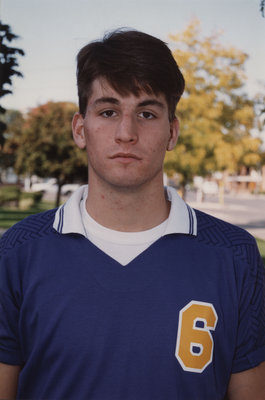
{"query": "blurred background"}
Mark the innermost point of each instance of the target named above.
(219, 163)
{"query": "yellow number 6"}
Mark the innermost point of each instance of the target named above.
(194, 349)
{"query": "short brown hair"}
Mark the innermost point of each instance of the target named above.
(130, 61)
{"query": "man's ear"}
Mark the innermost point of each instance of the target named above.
(174, 133)
(78, 130)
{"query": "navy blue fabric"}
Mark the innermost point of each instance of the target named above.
(85, 327)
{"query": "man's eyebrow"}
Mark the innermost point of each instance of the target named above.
(151, 102)
(111, 100)
(144, 103)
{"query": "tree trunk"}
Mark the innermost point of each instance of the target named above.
(58, 194)
(183, 191)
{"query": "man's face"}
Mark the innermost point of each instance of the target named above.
(125, 137)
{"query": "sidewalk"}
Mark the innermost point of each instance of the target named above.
(247, 217)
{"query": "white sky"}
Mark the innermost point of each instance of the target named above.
(52, 31)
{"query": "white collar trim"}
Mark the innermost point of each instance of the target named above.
(182, 218)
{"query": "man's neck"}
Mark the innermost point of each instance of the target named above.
(127, 210)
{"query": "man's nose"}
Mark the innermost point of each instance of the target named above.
(126, 129)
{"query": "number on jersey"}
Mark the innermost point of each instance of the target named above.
(194, 349)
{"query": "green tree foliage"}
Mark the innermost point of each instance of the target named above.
(13, 120)
(216, 115)
(8, 69)
(46, 148)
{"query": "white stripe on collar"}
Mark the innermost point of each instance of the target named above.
(182, 218)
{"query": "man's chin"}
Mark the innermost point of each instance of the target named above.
(131, 185)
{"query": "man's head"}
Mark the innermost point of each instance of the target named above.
(131, 62)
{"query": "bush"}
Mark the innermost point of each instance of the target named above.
(9, 195)
(36, 197)
(29, 200)
(13, 196)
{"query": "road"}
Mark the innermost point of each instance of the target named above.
(246, 211)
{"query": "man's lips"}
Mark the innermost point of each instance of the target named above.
(125, 156)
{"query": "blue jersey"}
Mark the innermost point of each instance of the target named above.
(173, 324)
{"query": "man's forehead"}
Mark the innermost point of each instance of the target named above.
(101, 88)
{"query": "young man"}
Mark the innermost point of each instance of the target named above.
(125, 292)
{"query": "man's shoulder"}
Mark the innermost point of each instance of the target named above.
(216, 232)
(31, 228)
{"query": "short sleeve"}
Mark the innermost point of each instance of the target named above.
(250, 350)
(9, 344)
(9, 311)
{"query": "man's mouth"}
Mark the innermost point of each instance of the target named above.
(125, 156)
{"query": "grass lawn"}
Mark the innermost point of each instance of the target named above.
(261, 245)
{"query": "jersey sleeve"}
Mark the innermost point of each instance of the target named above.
(9, 308)
(250, 350)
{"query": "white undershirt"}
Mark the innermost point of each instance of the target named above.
(121, 246)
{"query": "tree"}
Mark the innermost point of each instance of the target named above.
(260, 108)
(13, 120)
(46, 147)
(262, 7)
(216, 115)
(8, 64)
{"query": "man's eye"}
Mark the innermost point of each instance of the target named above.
(147, 115)
(108, 113)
